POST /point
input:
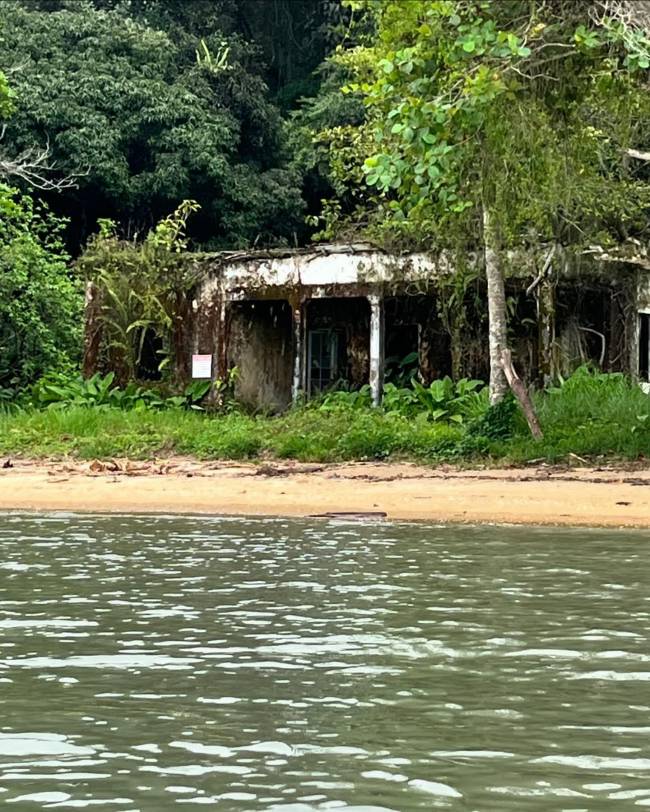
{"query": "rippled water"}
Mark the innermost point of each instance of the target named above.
(250, 664)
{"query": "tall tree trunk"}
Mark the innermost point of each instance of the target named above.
(93, 330)
(496, 310)
(502, 373)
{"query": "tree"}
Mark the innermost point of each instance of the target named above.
(40, 302)
(6, 97)
(499, 124)
(148, 117)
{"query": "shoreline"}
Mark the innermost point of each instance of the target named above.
(545, 495)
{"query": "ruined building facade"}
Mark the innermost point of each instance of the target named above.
(298, 322)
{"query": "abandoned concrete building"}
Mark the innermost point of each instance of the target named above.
(297, 322)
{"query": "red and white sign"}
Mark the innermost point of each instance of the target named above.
(201, 366)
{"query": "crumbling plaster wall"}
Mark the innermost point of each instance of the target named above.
(322, 268)
(260, 346)
(344, 271)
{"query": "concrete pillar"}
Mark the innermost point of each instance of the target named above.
(633, 326)
(220, 359)
(299, 327)
(377, 329)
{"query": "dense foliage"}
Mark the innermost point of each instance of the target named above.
(148, 103)
(61, 391)
(40, 302)
(526, 109)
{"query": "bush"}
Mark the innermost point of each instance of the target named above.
(441, 401)
(59, 390)
(40, 302)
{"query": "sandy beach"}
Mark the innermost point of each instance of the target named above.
(593, 497)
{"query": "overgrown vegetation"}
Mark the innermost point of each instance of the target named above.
(591, 415)
(464, 125)
(441, 401)
(40, 300)
(60, 391)
(140, 288)
(495, 125)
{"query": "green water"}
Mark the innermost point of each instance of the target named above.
(147, 663)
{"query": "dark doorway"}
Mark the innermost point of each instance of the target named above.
(402, 354)
(644, 346)
(325, 359)
(149, 352)
(337, 343)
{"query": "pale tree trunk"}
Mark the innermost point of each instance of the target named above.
(496, 311)
(502, 373)
(521, 393)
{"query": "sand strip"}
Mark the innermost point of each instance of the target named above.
(578, 497)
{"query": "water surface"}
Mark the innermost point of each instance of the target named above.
(147, 663)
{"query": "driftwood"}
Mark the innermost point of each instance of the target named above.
(638, 154)
(521, 393)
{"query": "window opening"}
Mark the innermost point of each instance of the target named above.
(323, 360)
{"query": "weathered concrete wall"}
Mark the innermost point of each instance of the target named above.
(324, 267)
(260, 346)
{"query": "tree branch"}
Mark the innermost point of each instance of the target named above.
(521, 393)
(34, 167)
(633, 14)
(542, 273)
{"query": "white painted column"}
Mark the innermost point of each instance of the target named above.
(376, 347)
(298, 313)
(220, 359)
(639, 303)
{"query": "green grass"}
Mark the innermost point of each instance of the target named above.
(591, 416)
(305, 434)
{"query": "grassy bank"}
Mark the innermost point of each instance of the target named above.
(590, 416)
(303, 434)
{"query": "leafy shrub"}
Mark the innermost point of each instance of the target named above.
(448, 401)
(59, 390)
(401, 371)
(345, 399)
(442, 401)
(400, 400)
(497, 422)
(40, 302)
